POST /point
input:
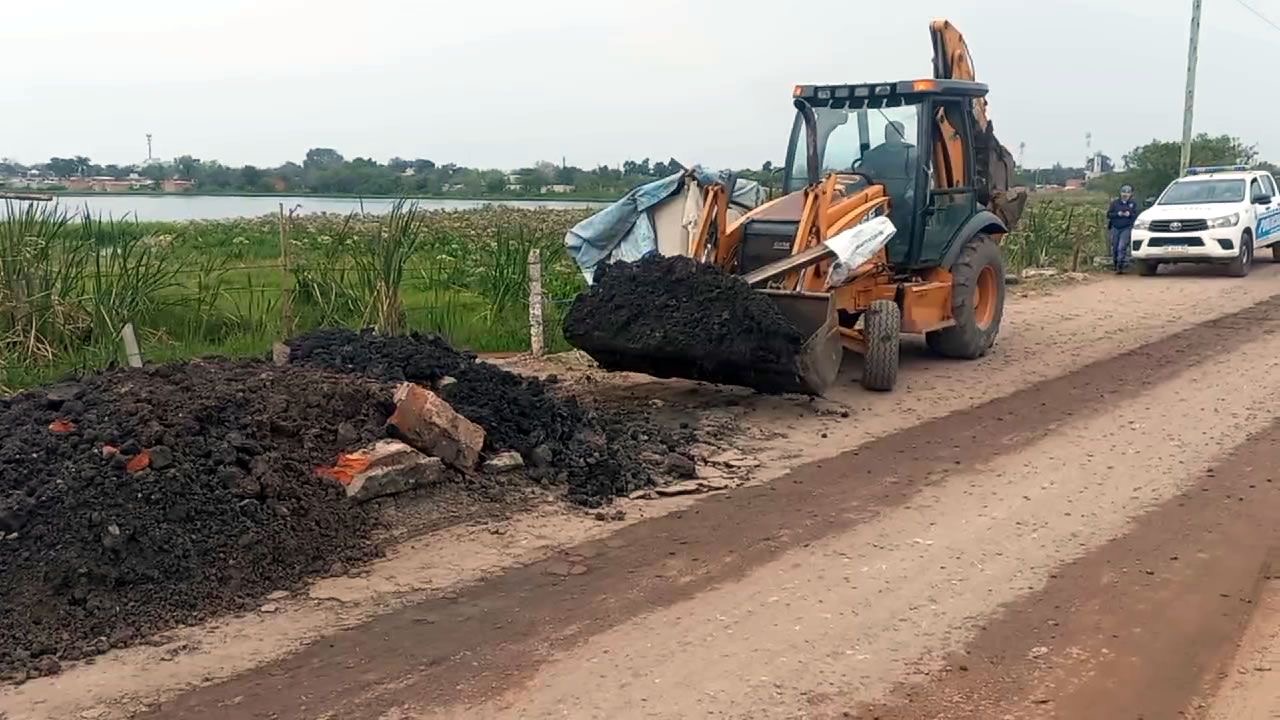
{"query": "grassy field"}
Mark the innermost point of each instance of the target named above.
(232, 287)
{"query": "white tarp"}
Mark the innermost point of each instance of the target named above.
(625, 230)
(856, 245)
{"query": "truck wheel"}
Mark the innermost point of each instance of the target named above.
(1275, 253)
(1239, 267)
(977, 302)
(1146, 268)
(882, 328)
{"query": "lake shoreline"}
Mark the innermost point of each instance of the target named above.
(174, 207)
(495, 199)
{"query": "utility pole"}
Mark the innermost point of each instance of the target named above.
(1193, 52)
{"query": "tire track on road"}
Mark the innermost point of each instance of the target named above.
(1137, 628)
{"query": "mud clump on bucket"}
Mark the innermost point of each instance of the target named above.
(593, 452)
(673, 317)
(135, 501)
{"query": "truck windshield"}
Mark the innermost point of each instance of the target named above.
(1193, 192)
(878, 142)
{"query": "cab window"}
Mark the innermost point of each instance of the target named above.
(1269, 185)
(1194, 192)
(1255, 190)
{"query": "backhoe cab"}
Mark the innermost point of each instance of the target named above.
(872, 135)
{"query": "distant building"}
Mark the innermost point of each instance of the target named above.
(558, 189)
(106, 183)
(176, 185)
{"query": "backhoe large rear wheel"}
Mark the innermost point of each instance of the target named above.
(882, 328)
(977, 301)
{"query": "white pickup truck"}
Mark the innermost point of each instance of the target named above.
(1211, 215)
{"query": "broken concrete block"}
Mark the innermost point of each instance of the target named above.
(279, 354)
(683, 488)
(504, 462)
(428, 423)
(58, 395)
(542, 456)
(680, 466)
(392, 467)
(1039, 272)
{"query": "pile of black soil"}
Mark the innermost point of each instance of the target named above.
(99, 551)
(597, 453)
(673, 317)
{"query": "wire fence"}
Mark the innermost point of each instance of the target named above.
(270, 311)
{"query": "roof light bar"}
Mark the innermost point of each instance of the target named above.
(1215, 169)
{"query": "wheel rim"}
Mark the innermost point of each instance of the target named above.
(984, 298)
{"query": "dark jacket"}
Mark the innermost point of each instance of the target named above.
(1121, 222)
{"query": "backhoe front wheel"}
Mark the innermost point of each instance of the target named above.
(977, 301)
(882, 328)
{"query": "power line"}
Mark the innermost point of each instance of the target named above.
(1260, 16)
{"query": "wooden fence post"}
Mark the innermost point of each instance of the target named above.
(131, 351)
(536, 340)
(286, 296)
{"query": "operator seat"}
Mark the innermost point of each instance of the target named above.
(890, 166)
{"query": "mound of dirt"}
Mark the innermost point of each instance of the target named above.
(598, 453)
(673, 317)
(103, 547)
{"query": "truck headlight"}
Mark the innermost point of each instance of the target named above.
(1141, 224)
(1225, 222)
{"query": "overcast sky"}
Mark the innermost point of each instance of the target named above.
(504, 83)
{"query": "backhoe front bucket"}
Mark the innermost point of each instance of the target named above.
(811, 370)
(818, 363)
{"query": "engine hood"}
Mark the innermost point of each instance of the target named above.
(1206, 211)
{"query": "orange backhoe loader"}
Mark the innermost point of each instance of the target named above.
(922, 153)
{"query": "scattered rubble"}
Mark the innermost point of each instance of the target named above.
(103, 548)
(504, 462)
(592, 451)
(138, 500)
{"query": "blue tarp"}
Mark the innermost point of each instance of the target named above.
(624, 230)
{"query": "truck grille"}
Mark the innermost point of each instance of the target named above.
(1179, 225)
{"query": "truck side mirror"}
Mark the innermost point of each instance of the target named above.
(1148, 202)
(1261, 199)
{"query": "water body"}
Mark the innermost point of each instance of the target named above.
(215, 207)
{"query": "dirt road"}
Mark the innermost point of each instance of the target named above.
(1078, 526)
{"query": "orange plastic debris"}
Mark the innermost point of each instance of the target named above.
(348, 466)
(139, 462)
(61, 426)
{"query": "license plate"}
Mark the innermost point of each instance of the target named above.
(1175, 248)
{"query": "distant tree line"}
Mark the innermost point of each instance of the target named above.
(1151, 167)
(326, 171)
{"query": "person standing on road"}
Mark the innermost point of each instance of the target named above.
(1120, 217)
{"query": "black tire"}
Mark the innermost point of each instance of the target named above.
(969, 339)
(882, 328)
(1243, 261)
(1275, 253)
(1146, 268)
